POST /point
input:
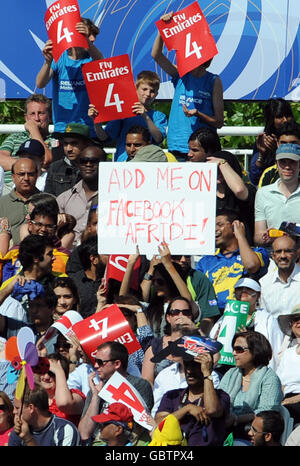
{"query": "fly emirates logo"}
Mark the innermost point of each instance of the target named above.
(107, 71)
(182, 23)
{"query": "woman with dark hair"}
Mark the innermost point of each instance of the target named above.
(6, 418)
(179, 317)
(251, 385)
(67, 296)
(233, 193)
(277, 112)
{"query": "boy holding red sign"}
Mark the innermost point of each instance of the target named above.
(70, 98)
(147, 86)
(197, 101)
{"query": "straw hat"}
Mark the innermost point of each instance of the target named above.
(285, 321)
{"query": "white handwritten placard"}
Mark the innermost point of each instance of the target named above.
(145, 204)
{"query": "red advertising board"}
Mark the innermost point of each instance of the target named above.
(111, 87)
(60, 21)
(107, 325)
(189, 34)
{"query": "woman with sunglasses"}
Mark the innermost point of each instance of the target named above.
(251, 385)
(258, 319)
(6, 418)
(179, 317)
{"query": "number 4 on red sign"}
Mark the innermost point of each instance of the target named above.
(109, 102)
(120, 394)
(196, 49)
(66, 35)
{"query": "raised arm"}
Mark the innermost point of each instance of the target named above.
(45, 73)
(249, 257)
(157, 51)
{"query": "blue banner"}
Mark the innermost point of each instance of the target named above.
(257, 40)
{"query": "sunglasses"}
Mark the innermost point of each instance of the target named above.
(3, 408)
(92, 160)
(51, 374)
(176, 312)
(101, 362)
(240, 349)
(64, 345)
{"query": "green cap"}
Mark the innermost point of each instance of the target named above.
(74, 129)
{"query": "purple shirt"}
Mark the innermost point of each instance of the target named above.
(196, 434)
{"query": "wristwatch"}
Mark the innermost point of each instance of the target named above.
(148, 276)
(208, 377)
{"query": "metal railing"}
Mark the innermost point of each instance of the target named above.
(225, 131)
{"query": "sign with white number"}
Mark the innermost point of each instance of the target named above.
(145, 204)
(111, 88)
(118, 389)
(189, 34)
(60, 21)
(107, 325)
(235, 315)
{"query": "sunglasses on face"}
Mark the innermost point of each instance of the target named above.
(3, 408)
(101, 362)
(240, 349)
(92, 160)
(176, 312)
(64, 345)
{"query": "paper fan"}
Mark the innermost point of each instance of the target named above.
(22, 354)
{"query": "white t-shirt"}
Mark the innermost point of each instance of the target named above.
(288, 370)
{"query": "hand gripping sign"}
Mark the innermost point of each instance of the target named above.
(235, 315)
(111, 88)
(107, 325)
(60, 21)
(189, 34)
(118, 389)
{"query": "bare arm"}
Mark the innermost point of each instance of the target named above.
(148, 366)
(233, 180)
(157, 51)
(125, 285)
(86, 425)
(68, 402)
(146, 284)
(261, 236)
(249, 257)
(45, 74)
(101, 133)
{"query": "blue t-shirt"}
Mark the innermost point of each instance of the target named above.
(118, 129)
(224, 271)
(194, 93)
(70, 101)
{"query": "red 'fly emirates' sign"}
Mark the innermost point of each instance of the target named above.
(189, 34)
(107, 325)
(111, 87)
(60, 21)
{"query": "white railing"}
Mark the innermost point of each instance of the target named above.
(225, 131)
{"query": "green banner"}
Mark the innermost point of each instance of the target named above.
(235, 315)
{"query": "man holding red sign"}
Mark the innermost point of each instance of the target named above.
(111, 356)
(70, 98)
(198, 97)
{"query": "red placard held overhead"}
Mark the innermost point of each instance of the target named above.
(60, 21)
(116, 268)
(111, 88)
(189, 34)
(107, 325)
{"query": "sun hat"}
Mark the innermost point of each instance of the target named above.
(285, 321)
(288, 151)
(149, 153)
(248, 283)
(116, 413)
